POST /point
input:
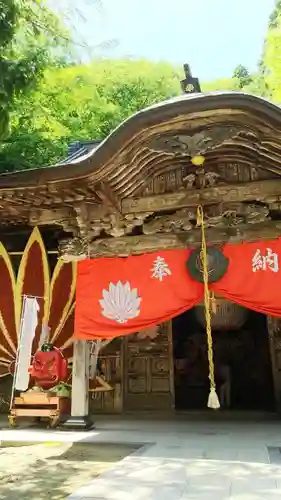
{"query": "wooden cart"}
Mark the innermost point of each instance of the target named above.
(40, 405)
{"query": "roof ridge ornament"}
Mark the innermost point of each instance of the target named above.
(190, 85)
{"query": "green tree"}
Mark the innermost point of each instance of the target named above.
(81, 102)
(258, 86)
(223, 84)
(262, 65)
(29, 32)
(272, 61)
(242, 74)
(273, 18)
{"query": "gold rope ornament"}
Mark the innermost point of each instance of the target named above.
(213, 400)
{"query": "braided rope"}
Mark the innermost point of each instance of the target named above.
(207, 298)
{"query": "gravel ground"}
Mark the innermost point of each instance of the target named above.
(53, 470)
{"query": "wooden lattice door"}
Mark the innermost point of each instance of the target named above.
(148, 371)
(111, 363)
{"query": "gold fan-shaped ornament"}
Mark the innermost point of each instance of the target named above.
(56, 300)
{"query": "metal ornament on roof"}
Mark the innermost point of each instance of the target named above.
(190, 85)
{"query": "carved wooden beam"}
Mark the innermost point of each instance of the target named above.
(136, 245)
(63, 217)
(50, 216)
(254, 191)
(108, 197)
(82, 217)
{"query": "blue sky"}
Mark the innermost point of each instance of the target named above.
(213, 36)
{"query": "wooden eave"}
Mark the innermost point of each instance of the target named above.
(109, 182)
(186, 113)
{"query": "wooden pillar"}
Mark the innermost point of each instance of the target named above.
(171, 360)
(274, 334)
(80, 379)
(80, 387)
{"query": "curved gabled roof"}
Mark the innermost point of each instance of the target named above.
(188, 113)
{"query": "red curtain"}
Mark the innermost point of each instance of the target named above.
(118, 296)
(253, 278)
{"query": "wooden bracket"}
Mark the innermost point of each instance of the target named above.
(107, 196)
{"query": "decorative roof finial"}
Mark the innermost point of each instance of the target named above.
(190, 85)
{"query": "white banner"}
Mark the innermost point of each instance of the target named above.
(27, 333)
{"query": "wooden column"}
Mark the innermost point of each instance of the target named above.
(80, 379)
(171, 359)
(80, 387)
(274, 333)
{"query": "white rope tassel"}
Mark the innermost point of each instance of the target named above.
(213, 400)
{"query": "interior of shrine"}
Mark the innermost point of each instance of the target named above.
(241, 345)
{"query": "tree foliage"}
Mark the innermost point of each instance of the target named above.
(272, 61)
(81, 102)
(273, 18)
(241, 73)
(223, 84)
(29, 32)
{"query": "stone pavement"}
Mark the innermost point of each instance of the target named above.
(184, 459)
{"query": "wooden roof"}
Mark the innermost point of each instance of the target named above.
(233, 129)
(186, 115)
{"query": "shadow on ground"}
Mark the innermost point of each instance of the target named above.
(53, 470)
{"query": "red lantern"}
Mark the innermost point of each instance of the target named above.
(49, 367)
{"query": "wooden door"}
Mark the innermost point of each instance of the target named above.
(148, 380)
(111, 360)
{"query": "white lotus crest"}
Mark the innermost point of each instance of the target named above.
(120, 302)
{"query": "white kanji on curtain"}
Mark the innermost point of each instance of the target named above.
(160, 269)
(263, 262)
